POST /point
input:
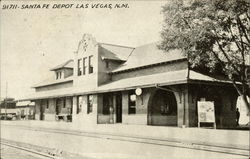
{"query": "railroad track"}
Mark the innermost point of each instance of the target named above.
(137, 139)
(39, 154)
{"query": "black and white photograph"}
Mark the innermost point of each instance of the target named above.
(125, 79)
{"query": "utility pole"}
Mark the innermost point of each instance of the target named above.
(6, 101)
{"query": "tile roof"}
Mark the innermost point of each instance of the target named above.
(147, 55)
(67, 64)
(115, 52)
(161, 79)
(52, 81)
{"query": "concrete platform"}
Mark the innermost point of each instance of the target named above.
(232, 139)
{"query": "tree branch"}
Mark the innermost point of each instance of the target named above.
(236, 87)
(225, 54)
(243, 28)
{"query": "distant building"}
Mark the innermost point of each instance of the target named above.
(8, 103)
(107, 83)
(17, 110)
(26, 110)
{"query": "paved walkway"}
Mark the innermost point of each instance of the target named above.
(222, 138)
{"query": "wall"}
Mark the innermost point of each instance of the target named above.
(151, 70)
(141, 108)
(50, 112)
(83, 117)
(67, 72)
(55, 86)
(163, 120)
(102, 70)
(37, 109)
(87, 47)
(103, 76)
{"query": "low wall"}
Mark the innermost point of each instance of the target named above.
(49, 117)
(163, 120)
(103, 119)
(85, 119)
(37, 116)
(140, 119)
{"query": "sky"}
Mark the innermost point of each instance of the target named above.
(35, 40)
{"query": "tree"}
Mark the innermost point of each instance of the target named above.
(211, 33)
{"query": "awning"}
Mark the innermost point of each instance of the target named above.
(160, 79)
(25, 103)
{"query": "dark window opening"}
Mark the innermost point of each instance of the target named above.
(91, 68)
(79, 104)
(45, 103)
(107, 103)
(84, 62)
(59, 105)
(132, 102)
(90, 104)
(58, 75)
(164, 103)
(79, 67)
(107, 64)
(64, 102)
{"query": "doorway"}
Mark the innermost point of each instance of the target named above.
(118, 107)
(42, 109)
(59, 104)
(162, 108)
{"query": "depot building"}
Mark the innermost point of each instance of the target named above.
(109, 84)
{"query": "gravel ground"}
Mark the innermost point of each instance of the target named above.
(13, 153)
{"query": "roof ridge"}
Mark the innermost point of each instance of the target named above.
(117, 45)
(61, 65)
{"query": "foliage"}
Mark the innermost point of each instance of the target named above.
(211, 33)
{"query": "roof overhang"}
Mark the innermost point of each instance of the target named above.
(160, 79)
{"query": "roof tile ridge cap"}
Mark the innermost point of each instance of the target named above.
(49, 78)
(130, 54)
(63, 64)
(130, 47)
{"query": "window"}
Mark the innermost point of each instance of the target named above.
(107, 64)
(90, 104)
(64, 102)
(45, 103)
(84, 62)
(58, 75)
(79, 104)
(107, 103)
(132, 102)
(79, 67)
(91, 69)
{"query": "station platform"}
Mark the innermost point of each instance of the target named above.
(232, 139)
